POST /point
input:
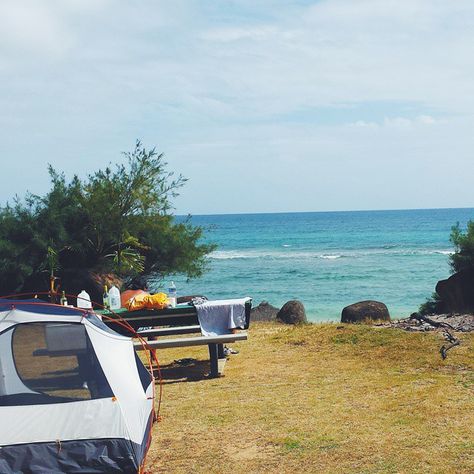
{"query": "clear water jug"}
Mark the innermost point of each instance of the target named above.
(114, 298)
(84, 300)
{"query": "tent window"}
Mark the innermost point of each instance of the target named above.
(55, 363)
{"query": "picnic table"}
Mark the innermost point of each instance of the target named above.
(181, 315)
(179, 320)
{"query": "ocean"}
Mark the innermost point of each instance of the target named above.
(328, 260)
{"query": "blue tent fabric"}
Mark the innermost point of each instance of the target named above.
(39, 306)
(94, 456)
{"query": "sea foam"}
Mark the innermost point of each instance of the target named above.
(311, 254)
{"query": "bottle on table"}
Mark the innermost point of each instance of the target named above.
(84, 300)
(114, 298)
(63, 300)
(105, 298)
(172, 295)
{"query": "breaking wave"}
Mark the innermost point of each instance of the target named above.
(308, 254)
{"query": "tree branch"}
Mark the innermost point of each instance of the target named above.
(447, 335)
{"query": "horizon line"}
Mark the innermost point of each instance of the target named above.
(323, 212)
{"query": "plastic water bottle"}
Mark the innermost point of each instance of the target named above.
(172, 295)
(84, 300)
(114, 298)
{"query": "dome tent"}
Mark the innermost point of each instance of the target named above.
(74, 396)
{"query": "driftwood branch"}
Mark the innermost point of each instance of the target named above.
(453, 341)
(430, 321)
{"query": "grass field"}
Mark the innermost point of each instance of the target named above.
(320, 398)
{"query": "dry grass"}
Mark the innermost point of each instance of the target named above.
(320, 398)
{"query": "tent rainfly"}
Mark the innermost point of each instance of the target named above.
(74, 396)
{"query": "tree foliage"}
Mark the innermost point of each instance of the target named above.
(432, 305)
(463, 256)
(116, 220)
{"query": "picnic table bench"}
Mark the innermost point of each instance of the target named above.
(180, 320)
(215, 343)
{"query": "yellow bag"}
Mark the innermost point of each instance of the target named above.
(145, 301)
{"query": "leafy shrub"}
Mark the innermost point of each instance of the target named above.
(463, 256)
(117, 220)
(431, 305)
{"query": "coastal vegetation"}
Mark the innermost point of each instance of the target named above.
(463, 256)
(118, 220)
(325, 398)
(462, 266)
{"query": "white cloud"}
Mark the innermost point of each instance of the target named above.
(401, 122)
(364, 124)
(30, 27)
(426, 119)
(218, 85)
(31, 30)
(235, 34)
(397, 122)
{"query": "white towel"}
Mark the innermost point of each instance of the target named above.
(221, 316)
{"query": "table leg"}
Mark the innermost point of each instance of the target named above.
(220, 351)
(213, 354)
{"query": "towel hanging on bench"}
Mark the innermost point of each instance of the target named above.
(221, 316)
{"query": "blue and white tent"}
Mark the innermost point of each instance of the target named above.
(74, 397)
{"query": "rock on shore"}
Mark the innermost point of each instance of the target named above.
(365, 311)
(264, 312)
(292, 312)
(456, 292)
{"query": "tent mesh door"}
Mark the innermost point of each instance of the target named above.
(54, 363)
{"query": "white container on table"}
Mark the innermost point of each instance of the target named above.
(114, 298)
(84, 300)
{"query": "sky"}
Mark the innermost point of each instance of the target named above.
(268, 106)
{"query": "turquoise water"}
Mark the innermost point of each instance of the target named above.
(328, 259)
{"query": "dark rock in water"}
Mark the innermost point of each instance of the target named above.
(365, 310)
(263, 312)
(457, 292)
(292, 312)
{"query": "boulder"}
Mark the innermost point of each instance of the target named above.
(456, 292)
(292, 312)
(263, 312)
(365, 310)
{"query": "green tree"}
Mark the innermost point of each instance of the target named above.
(116, 220)
(463, 256)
